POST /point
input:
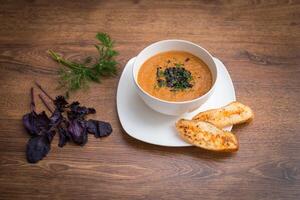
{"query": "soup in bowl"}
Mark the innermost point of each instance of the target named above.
(174, 76)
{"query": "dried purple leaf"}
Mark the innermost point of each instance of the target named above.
(78, 132)
(33, 122)
(99, 128)
(75, 128)
(38, 147)
(56, 117)
(64, 136)
(36, 123)
(79, 112)
(60, 103)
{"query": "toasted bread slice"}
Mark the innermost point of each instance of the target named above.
(207, 136)
(233, 113)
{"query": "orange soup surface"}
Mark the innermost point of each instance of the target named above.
(175, 76)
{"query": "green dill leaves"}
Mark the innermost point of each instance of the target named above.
(74, 75)
(105, 40)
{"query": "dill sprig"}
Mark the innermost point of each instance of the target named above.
(74, 75)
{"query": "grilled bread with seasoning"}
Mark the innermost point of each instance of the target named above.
(231, 114)
(207, 136)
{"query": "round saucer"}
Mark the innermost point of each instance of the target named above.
(147, 125)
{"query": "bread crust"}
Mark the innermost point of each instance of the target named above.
(207, 136)
(231, 114)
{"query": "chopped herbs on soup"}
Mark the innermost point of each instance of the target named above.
(175, 78)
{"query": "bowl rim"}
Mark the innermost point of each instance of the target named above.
(175, 102)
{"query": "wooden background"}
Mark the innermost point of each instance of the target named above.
(259, 42)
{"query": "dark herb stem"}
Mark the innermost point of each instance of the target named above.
(32, 103)
(46, 104)
(42, 89)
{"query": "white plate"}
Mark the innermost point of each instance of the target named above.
(147, 125)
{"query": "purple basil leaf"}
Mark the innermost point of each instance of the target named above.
(78, 132)
(64, 136)
(79, 112)
(38, 147)
(91, 111)
(99, 128)
(60, 103)
(35, 124)
(56, 117)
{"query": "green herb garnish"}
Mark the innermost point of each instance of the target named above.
(175, 78)
(74, 75)
(159, 72)
(178, 65)
(161, 83)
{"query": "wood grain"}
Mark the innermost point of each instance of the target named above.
(259, 42)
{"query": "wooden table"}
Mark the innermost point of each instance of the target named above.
(259, 42)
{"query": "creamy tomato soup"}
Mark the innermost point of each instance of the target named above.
(175, 76)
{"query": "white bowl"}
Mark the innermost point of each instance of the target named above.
(169, 107)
